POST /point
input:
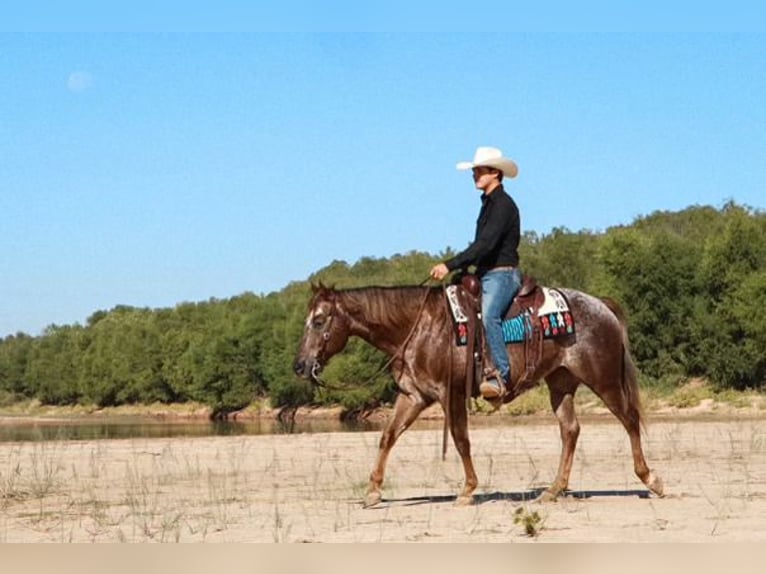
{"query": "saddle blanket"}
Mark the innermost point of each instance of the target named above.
(556, 319)
(459, 318)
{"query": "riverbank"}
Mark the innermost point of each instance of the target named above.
(693, 400)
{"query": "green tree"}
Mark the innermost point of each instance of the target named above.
(730, 327)
(561, 258)
(14, 357)
(53, 365)
(652, 275)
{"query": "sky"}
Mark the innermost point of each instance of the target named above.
(150, 169)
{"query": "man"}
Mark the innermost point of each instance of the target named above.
(495, 254)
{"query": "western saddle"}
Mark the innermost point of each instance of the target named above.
(526, 303)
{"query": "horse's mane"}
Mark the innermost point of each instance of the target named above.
(387, 305)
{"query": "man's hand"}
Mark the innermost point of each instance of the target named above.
(439, 271)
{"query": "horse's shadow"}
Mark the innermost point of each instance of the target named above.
(527, 496)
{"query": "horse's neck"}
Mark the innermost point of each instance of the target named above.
(384, 317)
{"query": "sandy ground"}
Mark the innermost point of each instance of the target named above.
(308, 487)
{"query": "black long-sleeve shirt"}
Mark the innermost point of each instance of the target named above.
(498, 232)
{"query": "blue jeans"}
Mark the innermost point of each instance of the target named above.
(498, 288)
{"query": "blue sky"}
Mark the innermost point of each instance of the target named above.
(152, 169)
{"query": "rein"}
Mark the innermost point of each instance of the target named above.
(400, 352)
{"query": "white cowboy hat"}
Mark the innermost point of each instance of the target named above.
(490, 157)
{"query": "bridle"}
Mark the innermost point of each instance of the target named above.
(326, 335)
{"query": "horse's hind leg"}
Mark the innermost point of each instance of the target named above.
(406, 410)
(562, 386)
(630, 418)
(623, 402)
(652, 481)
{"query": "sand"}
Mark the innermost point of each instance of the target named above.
(309, 487)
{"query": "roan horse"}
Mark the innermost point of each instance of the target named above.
(413, 326)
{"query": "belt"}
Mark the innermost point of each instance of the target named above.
(502, 268)
(484, 270)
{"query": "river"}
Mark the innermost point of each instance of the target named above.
(24, 430)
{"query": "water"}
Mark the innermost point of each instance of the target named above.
(25, 430)
(130, 427)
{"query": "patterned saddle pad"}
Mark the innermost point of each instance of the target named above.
(555, 318)
(555, 315)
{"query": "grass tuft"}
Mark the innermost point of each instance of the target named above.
(531, 522)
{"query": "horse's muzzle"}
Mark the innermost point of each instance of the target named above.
(307, 368)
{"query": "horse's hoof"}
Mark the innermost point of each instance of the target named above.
(654, 483)
(372, 499)
(464, 500)
(547, 496)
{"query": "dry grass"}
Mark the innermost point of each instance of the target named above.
(290, 488)
(691, 398)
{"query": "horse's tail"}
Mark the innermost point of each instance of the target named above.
(629, 379)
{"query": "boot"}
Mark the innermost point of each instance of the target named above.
(493, 387)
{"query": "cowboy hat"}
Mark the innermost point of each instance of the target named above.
(490, 157)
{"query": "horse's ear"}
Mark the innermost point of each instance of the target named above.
(323, 290)
(320, 288)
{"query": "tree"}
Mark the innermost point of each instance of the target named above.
(14, 357)
(732, 329)
(652, 275)
(53, 365)
(561, 258)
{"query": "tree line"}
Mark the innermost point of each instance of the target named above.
(693, 284)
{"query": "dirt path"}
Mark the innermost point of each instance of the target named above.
(308, 487)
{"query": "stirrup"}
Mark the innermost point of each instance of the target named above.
(492, 386)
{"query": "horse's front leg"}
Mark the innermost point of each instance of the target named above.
(459, 431)
(406, 410)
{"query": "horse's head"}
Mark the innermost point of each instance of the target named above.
(325, 333)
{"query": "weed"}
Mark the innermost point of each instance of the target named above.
(45, 466)
(690, 396)
(10, 488)
(280, 532)
(736, 399)
(531, 522)
(219, 496)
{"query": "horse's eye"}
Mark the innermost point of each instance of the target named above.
(317, 323)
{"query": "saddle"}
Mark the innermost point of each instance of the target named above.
(525, 304)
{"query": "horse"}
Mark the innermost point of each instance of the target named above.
(412, 324)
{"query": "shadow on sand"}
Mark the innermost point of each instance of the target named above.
(527, 496)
